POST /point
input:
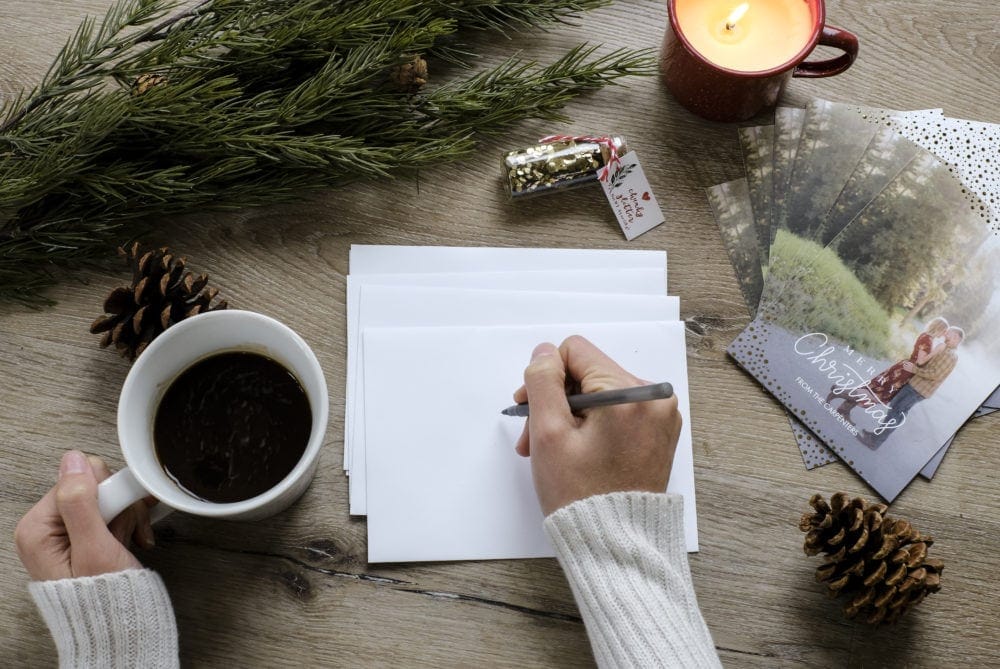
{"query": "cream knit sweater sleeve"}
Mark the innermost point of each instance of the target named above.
(624, 557)
(119, 620)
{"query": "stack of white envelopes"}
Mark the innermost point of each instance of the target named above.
(437, 342)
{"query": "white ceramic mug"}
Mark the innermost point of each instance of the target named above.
(176, 349)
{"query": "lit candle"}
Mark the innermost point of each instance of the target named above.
(751, 36)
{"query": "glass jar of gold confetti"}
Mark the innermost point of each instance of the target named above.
(559, 162)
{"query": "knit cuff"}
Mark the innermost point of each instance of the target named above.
(624, 518)
(624, 558)
(121, 619)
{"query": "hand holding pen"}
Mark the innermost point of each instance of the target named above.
(624, 446)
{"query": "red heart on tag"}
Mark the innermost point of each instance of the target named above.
(645, 196)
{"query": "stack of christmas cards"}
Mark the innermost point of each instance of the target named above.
(867, 246)
(438, 339)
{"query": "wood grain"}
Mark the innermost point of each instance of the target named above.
(295, 590)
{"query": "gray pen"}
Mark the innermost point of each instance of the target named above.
(657, 391)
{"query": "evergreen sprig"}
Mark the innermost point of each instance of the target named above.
(161, 109)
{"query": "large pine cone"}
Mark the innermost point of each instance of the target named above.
(161, 293)
(878, 561)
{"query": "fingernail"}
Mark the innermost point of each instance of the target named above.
(73, 462)
(148, 537)
(545, 348)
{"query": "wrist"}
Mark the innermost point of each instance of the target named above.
(552, 506)
(608, 496)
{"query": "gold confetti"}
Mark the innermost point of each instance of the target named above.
(556, 165)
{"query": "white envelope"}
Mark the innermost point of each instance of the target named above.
(444, 480)
(643, 281)
(395, 306)
(374, 259)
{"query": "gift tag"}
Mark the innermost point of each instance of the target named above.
(630, 196)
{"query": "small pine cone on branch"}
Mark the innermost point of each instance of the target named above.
(144, 82)
(162, 293)
(410, 76)
(878, 562)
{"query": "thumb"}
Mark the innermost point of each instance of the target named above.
(545, 383)
(76, 500)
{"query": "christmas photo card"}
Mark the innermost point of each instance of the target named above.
(885, 340)
(799, 178)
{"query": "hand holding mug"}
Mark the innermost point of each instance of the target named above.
(64, 535)
(67, 534)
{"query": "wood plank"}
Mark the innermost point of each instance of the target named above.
(295, 590)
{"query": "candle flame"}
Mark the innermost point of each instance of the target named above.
(736, 15)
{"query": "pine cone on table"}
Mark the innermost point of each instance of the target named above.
(162, 293)
(879, 562)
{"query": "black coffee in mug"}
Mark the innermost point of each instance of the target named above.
(232, 426)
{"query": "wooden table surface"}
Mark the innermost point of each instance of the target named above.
(295, 590)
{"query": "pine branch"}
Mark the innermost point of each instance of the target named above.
(516, 89)
(257, 101)
(77, 66)
(501, 15)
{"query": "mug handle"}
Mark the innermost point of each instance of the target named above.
(120, 491)
(837, 38)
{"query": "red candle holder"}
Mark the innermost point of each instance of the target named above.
(718, 93)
